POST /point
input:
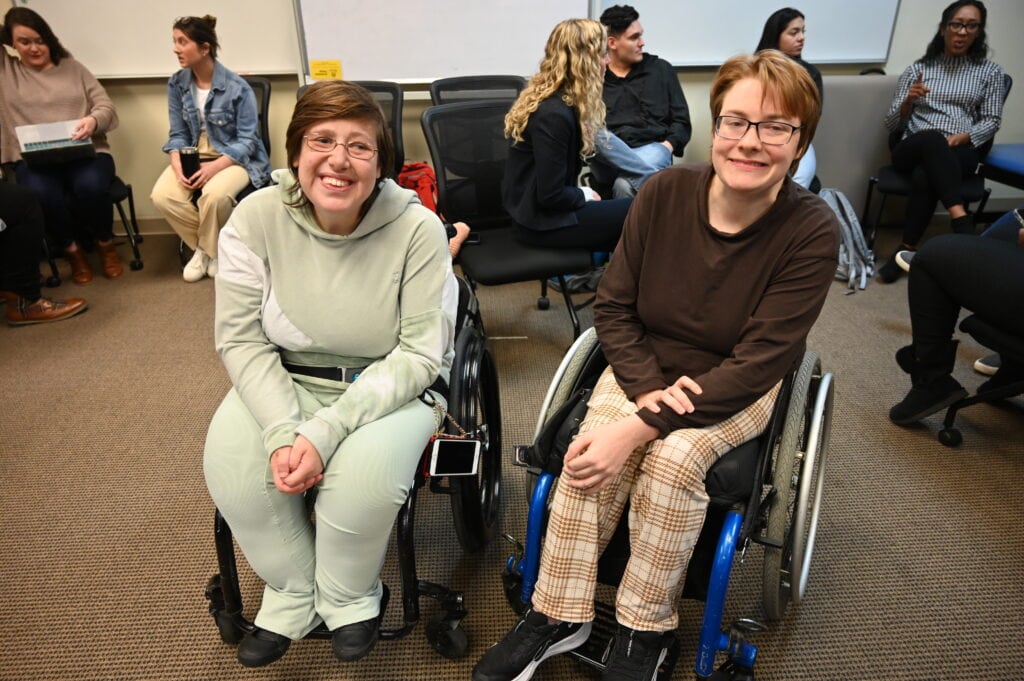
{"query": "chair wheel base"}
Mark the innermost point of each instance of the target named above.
(136, 265)
(951, 437)
(543, 303)
(52, 282)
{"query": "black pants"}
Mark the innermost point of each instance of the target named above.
(598, 228)
(21, 240)
(954, 271)
(936, 171)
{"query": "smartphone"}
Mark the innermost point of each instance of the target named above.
(189, 161)
(454, 457)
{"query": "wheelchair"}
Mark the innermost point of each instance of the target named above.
(475, 502)
(767, 491)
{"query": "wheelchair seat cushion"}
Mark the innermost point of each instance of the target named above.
(731, 479)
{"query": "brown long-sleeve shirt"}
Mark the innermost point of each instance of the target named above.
(731, 311)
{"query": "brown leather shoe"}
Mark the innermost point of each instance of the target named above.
(81, 271)
(43, 310)
(112, 267)
(8, 297)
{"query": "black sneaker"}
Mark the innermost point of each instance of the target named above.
(924, 401)
(890, 271)
(260, 647)
(531, 641)
(636, 655)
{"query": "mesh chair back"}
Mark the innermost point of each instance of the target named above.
(475, 88)
(261, 88)
(468, 150)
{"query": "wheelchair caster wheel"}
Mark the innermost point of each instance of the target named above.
(543, 303)
(450, 642)
(950, 437)
(52, 282)
(136, 265)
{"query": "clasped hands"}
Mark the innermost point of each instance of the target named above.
(296, 467)
(597, 456)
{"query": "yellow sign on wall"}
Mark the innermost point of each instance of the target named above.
(325, 69)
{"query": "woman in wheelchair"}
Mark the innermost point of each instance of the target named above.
(946, 109)
(335, 312)
(721, 271)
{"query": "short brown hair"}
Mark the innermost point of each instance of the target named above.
(781, 78)
(329, 100)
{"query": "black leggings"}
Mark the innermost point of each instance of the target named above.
(984, 275)
(599, 225)
(936, 171)
(21, 240)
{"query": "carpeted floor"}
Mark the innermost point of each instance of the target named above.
(107, 539)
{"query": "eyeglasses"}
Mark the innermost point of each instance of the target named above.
(775, 133)
(325, 145)
(957, 27)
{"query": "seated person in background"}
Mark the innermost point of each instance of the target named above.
(948, 104)
(785, 31)
(647, 117)
(705, 307)
(336, 266)
(213, 109)
(551, 128)
(45, 84)
(21, 243)
(950, 272)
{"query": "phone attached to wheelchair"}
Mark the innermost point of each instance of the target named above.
(454, 456)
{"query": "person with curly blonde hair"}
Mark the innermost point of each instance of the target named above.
(552, 127)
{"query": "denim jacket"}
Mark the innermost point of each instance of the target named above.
(232, 122)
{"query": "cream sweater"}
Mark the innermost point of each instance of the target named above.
(63, 92)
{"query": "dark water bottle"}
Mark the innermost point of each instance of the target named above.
(189, 161)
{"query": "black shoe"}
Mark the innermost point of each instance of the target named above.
(963, 224)
(355, 641)
(905, 358)
(890, 271)
(925, 400)
(636, 655)
(531, 641)
(260, 647)
(1008, 373)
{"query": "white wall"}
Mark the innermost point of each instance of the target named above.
(142, 104)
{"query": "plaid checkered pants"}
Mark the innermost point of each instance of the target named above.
(664, 481)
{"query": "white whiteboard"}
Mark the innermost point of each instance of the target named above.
(419, 41)
(132, 38)
(706, 32)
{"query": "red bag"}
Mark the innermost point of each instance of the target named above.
(420, 178)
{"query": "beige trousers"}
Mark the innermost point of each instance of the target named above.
(664, 481)
(199, 224)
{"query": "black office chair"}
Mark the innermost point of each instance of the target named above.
(475, 88)
(391, 99)
(1009, 347)
(468, 150)
(890, 181)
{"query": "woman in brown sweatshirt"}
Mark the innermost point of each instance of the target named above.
(45, 84)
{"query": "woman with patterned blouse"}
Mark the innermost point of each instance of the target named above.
(949, 105)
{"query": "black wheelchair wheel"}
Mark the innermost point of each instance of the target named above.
(785, 478)
(475, 404)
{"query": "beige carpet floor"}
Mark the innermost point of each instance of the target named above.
(106, 539)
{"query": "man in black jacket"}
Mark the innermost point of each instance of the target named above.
(648, 121)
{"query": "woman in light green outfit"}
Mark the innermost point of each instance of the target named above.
(335, 313)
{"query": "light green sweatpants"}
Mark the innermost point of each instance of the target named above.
(332, 573)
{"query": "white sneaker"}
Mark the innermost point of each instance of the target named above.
(904, 259)
(211, 268)
(196, 267)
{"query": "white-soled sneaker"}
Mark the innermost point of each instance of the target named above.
(211, 268)
(904, 258)
(988, 365)
(531, 641)
(195, 269)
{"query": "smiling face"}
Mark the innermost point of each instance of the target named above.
(747, 165)
(336, 184)
(189, 52)
(34, 52)
(791, 40)
(957, 43)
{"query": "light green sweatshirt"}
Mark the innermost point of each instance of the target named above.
(383, 297)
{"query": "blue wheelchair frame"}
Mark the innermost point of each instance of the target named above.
(804, 404)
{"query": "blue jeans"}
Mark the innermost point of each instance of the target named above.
(86, 182)
(614, 158)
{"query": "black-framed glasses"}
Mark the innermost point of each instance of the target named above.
(326, 145)
(769, 132)
(959, 26)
